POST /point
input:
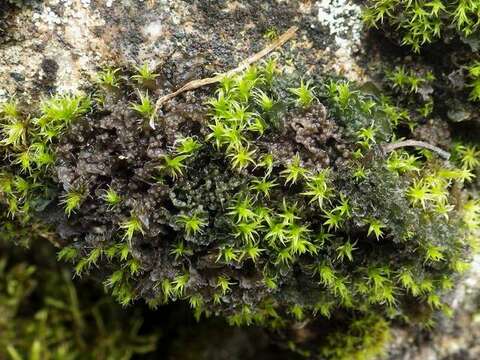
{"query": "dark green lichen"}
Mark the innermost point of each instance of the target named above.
(270, 203)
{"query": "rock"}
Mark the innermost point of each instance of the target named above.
(59, 45)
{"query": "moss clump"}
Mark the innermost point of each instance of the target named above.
(26, 179)
(447, 27)
(357, 337)
(271, 202)
(423, 22)
(364, 338)
(44, 316)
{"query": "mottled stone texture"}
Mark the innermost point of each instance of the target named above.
(59, 44)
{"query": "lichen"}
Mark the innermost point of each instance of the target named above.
(270, 202)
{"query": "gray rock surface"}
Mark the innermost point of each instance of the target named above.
(58, 45)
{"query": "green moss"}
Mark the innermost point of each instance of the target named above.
(408, 80)
(27, 183)
(44, 315)
(447, 28)
(474, 81)
(277, 204)
(364, 339)
(423, 22)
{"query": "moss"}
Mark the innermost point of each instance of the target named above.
(474, 81)
(436, 81)
(365, 338)
(271, 202)
(423, 22)
(358, 337)
(45, 316)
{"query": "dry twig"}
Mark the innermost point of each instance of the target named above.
(415, 143)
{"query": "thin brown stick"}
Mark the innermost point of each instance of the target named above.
(415, 143)
(195, 84)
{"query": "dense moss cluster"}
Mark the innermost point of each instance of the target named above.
(43, 314)
(26, 176)
(428, 27)
(423, 22)
(274, 201)
(212, 208)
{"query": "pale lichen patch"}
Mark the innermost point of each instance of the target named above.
(342, 19)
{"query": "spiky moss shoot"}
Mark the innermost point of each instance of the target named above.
(131, 226)
(72, 200)
(28, 140)
(14, 132)
(109, 78)
(304, 93)
(474, 83)
(188, 146)
(192, 224)
(145, 75)
(467, 155)
(10, 109)
(145, 107)
(407, 80)
(59, 111)
(264, 215)
(111, 197)
(271, 33)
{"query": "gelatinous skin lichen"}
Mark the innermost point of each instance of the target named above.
(268, 189)
(270, 202)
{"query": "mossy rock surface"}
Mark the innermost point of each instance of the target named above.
(111, 147)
